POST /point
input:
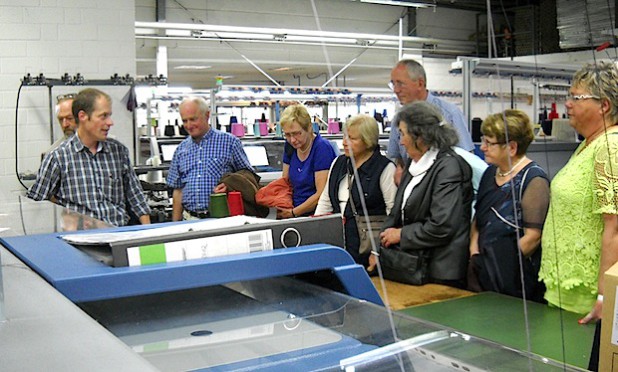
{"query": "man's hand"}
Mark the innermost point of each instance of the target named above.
(220, 189)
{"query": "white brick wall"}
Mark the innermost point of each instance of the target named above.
(53, 37)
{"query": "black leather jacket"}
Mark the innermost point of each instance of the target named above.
(437, 215)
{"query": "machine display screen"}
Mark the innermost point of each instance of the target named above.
(257, 155)
(167, 151)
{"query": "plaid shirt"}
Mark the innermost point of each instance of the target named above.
(197, 168)
(98, 185)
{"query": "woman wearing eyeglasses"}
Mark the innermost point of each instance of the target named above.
(511, 206)
(375, 175)
(581, 239)
(306, 160)
(431, 212)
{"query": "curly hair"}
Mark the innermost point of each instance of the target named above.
(424, 121)
(600, 80)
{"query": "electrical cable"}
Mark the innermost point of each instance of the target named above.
(16, 137)
(493, 46)
(324, 51)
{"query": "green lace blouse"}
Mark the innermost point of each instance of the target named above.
(580, 193)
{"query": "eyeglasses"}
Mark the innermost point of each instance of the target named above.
(296, 134)
(581, 97)
(487, 143)
(64, 97)
(396, 84)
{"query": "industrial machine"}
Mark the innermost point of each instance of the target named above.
(299, 302)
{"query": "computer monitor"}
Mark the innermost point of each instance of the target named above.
(257, 155)
(167, 151)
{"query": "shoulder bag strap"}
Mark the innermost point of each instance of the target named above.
(350, 199)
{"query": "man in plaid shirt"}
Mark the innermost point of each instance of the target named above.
(200, 161)
(89, 173)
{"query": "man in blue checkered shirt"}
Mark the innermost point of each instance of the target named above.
(200, 161)
(90, 173)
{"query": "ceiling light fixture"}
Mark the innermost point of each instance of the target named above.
(412, 4)
(150, 28)
(192, 67)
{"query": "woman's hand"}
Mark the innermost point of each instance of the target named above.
(594, 314)
(372, 262)
(390, 237)
(284, 213)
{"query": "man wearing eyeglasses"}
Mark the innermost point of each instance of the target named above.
(65, 119)
(409, 83)
(90, 173)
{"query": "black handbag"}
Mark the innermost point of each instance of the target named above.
(409, 267)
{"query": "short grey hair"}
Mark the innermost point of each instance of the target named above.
(424, 121)
(201, 103)
(416, 71)
(600, 80)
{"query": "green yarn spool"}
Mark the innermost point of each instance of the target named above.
(218, 205)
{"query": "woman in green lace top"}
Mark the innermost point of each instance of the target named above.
(580, 235)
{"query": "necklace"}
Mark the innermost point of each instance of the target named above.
(500, 174)
(308, 147)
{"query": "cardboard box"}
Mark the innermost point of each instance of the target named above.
(608, 360)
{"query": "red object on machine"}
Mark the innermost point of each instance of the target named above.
(553, 114)
(603, 46)
(235, 203)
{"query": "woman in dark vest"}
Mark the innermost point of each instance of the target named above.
(375, 172)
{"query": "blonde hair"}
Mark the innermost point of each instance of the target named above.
(296, 113)
(517, 124)
(367, 129)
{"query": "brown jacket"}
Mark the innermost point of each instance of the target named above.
(247, 183)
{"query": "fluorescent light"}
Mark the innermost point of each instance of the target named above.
(417, 57)
(185, 33)
(413, 4)
(320, 39)
(192, 67)
(179, 89)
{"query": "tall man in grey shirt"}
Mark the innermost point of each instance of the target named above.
(409, 82)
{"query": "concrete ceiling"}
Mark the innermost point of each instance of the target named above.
(196, 62)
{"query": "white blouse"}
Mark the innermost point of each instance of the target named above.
(418, 171)
(387, 186)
